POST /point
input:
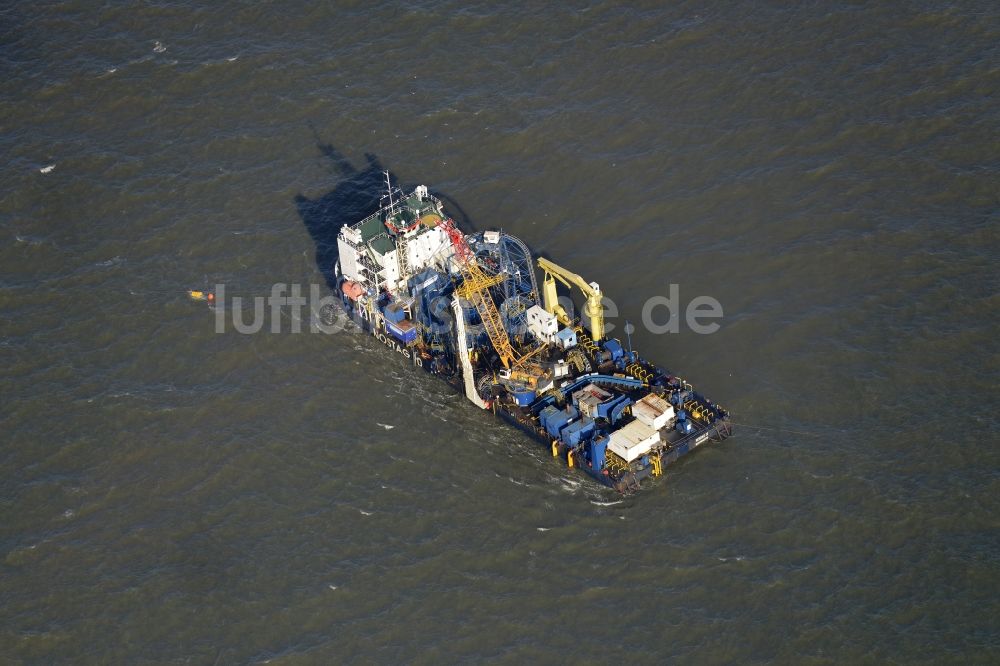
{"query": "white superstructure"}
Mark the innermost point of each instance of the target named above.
(370, 251)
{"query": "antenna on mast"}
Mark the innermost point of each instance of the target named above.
(392, 202)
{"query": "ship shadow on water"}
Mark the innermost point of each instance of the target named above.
(355, 196)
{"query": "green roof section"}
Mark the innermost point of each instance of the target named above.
(382, 244)
(371, 228)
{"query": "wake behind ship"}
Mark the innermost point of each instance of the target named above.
(468, 309)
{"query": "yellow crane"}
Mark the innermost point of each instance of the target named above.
(593, 308)
(475, 287)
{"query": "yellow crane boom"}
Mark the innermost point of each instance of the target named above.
(593, 308)
(475, 287)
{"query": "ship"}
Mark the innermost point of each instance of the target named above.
(468, 308)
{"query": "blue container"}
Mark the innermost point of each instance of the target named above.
(394, 313)
(577, 432)
(524, 398)
(405, 331)
(557, 419)
(545, 416)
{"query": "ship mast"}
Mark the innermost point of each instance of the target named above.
(392, 210)
(401, 250)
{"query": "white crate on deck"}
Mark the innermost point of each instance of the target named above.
(633, 441)
(654, 411)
